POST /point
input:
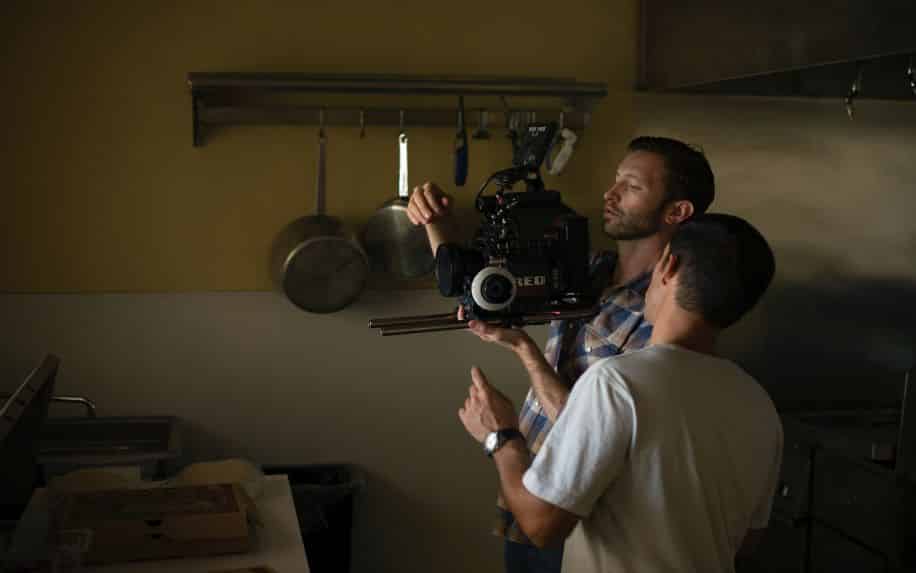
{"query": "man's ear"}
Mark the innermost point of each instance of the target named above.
(670, 265)
(678, 212)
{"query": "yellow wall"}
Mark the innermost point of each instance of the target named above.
(102, 190)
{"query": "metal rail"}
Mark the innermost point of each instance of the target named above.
(449, 321)
(249, 98)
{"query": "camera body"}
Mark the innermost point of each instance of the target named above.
(528, 261)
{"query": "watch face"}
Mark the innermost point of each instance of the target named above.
(492, 439)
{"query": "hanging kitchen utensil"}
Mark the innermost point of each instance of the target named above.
(461, 147)
(563, 148)
(397, 247)
(511, 124)
(316, 262)
(482, 132)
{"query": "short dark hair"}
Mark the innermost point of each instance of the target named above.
(724, 267)
(689, 175)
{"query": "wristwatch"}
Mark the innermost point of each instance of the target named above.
(497, 439)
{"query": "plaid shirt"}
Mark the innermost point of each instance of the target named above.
(573, 346)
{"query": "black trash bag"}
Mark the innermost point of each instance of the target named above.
(323, 495)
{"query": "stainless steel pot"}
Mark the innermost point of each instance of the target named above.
(316, 262)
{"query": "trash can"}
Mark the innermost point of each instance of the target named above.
(323, 495)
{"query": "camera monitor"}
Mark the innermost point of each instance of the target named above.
(21, 418)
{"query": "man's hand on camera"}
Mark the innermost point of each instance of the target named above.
(514, 339)
(544, 380)
(428, 204)
(486, 409)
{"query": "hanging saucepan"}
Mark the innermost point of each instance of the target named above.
(317, 264)
(396, 247)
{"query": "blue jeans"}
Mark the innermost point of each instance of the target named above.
(522, 558)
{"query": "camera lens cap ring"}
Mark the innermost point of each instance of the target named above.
(480, 283)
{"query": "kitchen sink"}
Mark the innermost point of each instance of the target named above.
(108, 440)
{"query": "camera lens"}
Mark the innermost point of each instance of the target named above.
(453, 266)
(446, 261)
(496, 289)
(493, 289)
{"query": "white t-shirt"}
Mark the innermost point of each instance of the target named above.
(669, 456)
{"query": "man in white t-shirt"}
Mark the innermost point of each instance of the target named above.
(663, 459)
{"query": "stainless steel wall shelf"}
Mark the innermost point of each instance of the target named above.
(252, 98)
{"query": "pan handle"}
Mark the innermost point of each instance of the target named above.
(461, 147)
(321, 177)
(403, 191)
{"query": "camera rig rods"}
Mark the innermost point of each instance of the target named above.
(449, 321)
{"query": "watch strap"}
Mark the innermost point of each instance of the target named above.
(503, 436)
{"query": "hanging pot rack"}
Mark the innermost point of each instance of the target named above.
(219, 98)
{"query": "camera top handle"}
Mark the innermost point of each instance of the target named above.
(526, 162)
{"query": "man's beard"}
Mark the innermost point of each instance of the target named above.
(629, 227)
